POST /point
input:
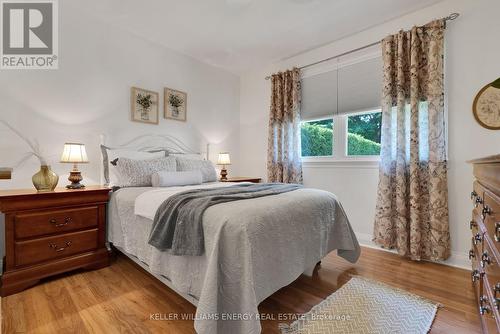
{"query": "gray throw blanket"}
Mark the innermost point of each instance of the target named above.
(177, 225)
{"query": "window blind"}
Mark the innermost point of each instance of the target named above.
(347, 89)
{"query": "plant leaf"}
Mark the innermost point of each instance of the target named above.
(23, 160)
(34, 146)
(496, 83)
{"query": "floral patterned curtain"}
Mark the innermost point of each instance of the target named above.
(283, 156)
(412, 201)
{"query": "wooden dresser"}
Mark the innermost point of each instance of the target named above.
(485, 249)
(52, 232)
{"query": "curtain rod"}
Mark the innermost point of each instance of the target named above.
(450, 17)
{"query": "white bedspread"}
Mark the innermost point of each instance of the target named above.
(245, 260)
(148, 202)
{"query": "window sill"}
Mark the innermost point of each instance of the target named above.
(330, 162)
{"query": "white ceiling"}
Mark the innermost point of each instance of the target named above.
(239, 35)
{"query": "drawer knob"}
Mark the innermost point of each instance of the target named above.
(496, 290)
(497, 231)
(473, 194)
(60, 249)
(471, 254)
(475, 275)
(66, 221)
(478, 238)
(479, 200)
(485, 259)
(483, 309)
(472, 224)
(486, 211)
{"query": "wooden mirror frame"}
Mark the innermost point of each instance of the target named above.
(474, 106)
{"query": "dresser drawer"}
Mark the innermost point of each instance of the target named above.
(492, 227)
(48, 248)
(487, 311)
(492, 292)
(492, 201)
(489, 261)
(491, 217)
(55, 221)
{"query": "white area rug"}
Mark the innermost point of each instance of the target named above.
(366, 306)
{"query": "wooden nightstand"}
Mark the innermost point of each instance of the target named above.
(52, 232)
(243, 179)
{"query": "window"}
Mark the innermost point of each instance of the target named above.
(317, 138)
(363, 133)
(340, 109)
(354, 135)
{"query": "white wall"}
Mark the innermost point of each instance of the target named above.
(472, 61)
(90, 92)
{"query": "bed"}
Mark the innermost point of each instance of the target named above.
(253, 248)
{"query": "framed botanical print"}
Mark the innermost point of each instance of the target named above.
(175, 104)
(144, 105)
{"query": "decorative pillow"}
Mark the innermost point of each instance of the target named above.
(111, 154)
(172, 179)
(137, 173)
(206, 167)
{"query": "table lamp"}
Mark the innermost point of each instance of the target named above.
(223, 160)
(74, 153)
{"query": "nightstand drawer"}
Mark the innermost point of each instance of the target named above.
(243, 179)
(48, 248)
(55, 221)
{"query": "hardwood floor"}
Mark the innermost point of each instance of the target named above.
(122, 297)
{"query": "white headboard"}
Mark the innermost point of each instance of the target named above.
(152, 142)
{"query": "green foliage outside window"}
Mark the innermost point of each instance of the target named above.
(367, 125)
(364, 132)
(317, 138)
(363, 136)
(358, 145)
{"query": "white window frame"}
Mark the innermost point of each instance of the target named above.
(339, 157)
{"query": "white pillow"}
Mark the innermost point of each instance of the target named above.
(137, 173)
(109, 155)
(172, 179)
(206, 167)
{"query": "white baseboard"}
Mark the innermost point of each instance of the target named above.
(457, 259)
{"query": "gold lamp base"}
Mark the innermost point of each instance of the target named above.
(75, 176)
(223, 174)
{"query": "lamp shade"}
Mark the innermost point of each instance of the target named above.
(74, 153)
(224, 159)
